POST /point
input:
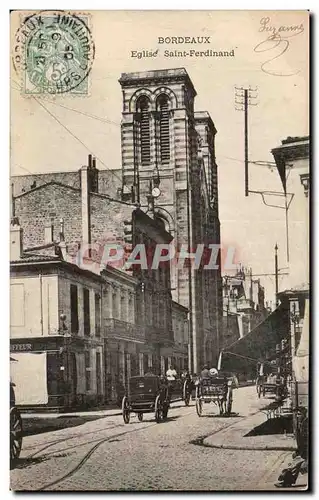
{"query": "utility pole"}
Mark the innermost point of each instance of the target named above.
(243, 99)
(246, 139)
(276, 273)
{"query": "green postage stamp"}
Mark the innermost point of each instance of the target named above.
(53, 53)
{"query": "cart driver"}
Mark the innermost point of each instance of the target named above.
(171, 374)
(205, 372)
(213, 372)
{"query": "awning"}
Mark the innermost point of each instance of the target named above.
(257, 345)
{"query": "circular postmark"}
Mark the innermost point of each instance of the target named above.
(54, 52)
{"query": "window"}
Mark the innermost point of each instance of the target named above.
(97, 315)
(98, 373)
(86, 311)
(145, 363)
(17, 304)
(87, 371)
(74, 309)
(163, 107)
(145, 143)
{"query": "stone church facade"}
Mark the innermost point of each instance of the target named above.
(168, 146)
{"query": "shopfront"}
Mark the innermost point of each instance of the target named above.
(56, 373)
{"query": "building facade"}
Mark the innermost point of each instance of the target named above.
(244, 305)
(292, 161)
(56, 338)
(136, 324)
(168, 149)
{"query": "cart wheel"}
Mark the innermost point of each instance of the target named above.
(125, 410)
(158, 410)
(140, 416)
(186, 394)
(15, 434)
(199, 403)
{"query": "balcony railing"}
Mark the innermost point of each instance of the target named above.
(122, 330)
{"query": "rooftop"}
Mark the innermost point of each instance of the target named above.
(290, 139)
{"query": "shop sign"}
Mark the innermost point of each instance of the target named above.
(20, 347)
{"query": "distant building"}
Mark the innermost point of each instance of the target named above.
(281, 340)
(244, 305)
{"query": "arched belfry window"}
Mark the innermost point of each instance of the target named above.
(143, 108)
(164, 140)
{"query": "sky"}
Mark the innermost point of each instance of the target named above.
(40, 144)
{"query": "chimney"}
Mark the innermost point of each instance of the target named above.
(16, 240)
(85, 204)
(94, 177)
(90, 162)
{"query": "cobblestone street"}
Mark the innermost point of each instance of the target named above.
(106, 454)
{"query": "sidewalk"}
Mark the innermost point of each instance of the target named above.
(234, 437)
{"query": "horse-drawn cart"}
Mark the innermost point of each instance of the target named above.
(217, 390)
(180, 389)
(148, 394)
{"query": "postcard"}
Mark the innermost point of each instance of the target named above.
(159, 250)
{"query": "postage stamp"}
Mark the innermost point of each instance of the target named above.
(53, 53)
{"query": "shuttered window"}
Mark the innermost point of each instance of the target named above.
(86, 311)
(163, 106)
(74, 309)
(145, 141)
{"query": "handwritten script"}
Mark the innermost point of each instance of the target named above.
(277, 42)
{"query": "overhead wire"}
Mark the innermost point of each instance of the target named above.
(70, 131)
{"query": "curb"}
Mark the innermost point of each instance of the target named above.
(208, 441)
(249, 447)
